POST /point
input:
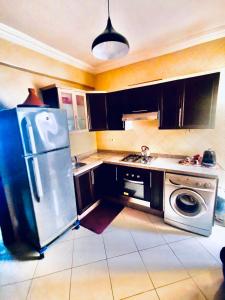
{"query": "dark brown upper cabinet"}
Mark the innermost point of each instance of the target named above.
(97, 111)
(142, 99)
(199, 102)
(115, 103)
(170, 104)
(189, 103)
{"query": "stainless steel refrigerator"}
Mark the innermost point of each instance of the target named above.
(36, 173)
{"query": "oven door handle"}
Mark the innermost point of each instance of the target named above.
(134, 181)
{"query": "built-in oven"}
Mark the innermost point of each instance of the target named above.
(135, 183)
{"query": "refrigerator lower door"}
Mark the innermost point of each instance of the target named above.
(42, 129)
(52, 188)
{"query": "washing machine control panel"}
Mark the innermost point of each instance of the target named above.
(190, 181)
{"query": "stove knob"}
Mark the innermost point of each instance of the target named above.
(207, 185)
(127, 174)
(132, 175)
(198, 184)
(138, 176)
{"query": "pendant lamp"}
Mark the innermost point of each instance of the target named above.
(110, 44)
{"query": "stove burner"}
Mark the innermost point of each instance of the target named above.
(135, 158)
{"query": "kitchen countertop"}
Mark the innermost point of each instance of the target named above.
(166, 164)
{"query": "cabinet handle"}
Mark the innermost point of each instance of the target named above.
(123, 124)
(180, 117)
(140, 110)
(92, 177)
(116, 174)
(150, 180)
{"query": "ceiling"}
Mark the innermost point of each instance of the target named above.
(152, 27)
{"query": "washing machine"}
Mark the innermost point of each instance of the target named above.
(189, 202)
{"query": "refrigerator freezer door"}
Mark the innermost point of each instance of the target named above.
(42, 130)
(52, 188)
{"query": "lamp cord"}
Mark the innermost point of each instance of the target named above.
(108, 8)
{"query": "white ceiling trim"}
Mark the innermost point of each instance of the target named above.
(202, 37)
(15, 36)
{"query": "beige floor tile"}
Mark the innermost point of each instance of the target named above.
(163, 266)
(170, 233)
(119, 223)
(118, 242)
(215, 241)
(51, 287)
(144, 232)
(16, 291)
(67, 236)
(146, 236)
(194, 256)
(150, 295)
(182, 290)
(91, 282)
(87, 250)
(128, 275)
(14, 269)
(134, 216)
(58, 257)
(82, 231)
(211, 284)
(212, 246)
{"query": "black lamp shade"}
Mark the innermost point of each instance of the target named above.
(110, 44)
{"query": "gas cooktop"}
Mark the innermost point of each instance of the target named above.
(136, 158)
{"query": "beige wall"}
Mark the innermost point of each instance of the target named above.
(202, 58)
(21, 68)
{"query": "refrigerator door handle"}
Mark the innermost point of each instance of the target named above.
(37, 177)
(36, 184)
(30, 134)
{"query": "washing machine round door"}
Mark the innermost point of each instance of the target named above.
(187, 203)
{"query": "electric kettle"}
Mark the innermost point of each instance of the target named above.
(209, 158)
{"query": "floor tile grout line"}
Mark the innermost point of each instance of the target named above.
(128, 297)
(143, 262)
(208, 250)
(192, 279)
(71, 270)
(107, 263)
(181, 261)
(30, 285)
(185, 268)
(157, 294)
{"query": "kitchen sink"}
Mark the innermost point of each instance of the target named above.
(78, 165)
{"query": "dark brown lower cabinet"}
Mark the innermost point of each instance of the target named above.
(105, 180)
(110, 184)
(157, 190)
(87, 188)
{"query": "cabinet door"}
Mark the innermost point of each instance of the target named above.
(84, 191)
(110, 180)
(143, 99)
(50, 97)
(170, 104)
(115, 102)
(66, 102)
(97, 181)
(157, 186)
(80, 111)
(200, 101)
(97, 111)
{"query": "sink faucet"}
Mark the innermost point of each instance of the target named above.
(75, 159)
